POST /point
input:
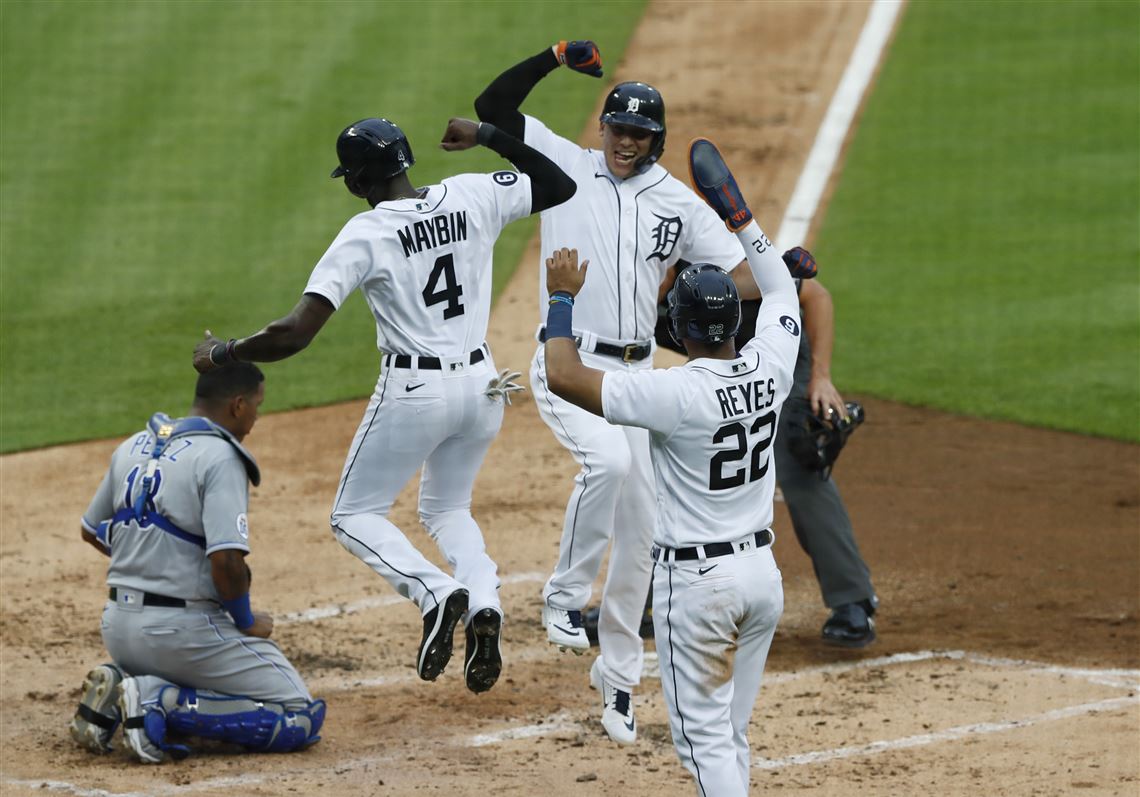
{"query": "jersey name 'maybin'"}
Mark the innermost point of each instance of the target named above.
(434, 231)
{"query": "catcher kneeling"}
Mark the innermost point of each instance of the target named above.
(190, 656)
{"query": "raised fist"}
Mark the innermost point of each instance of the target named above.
(801, 265)
(581, 56)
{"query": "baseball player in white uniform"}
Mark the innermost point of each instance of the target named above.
(190, 655)
(632, 220)
(717, 592)
(422, 259)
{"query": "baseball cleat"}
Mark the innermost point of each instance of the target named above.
(98, 713)
(483, 661)
(564, 628)
(714, 183)
(850, 626)
(617, 707)
(439, 626)
(134, 723)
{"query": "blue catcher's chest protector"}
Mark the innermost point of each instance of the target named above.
(166, 429)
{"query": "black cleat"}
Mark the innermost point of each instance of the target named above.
(439, 626)
(850, 626)
(483, 661)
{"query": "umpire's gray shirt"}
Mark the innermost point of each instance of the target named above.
(200, 487)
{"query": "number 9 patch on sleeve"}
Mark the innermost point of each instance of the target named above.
(505, 178)
(790, 324)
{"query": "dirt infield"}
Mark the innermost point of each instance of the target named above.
(1007, 560)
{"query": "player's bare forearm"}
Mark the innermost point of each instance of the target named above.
(819, 324)
(570, 379)
(745, 282)
(567, 376)
(93, 541)
(280, 339)
(229, 572)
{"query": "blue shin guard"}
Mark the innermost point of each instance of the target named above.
(256, 725)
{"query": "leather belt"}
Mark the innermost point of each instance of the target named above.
(763, 538)
(629, 353)
(153, 599)
(426, 363)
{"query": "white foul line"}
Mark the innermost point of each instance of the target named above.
(949, 734)
(833, 130)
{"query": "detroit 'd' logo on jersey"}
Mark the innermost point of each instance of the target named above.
(665, 237)
(790, 324)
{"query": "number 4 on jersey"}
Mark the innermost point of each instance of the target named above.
(445, 267)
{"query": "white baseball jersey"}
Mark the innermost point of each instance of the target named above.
(630, 230)
(424, 264)
(711, 426)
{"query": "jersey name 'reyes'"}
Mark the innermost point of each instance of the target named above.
(711, 427)
(424, 264)
(630, 230)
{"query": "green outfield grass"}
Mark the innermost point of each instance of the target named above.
(165, 168)
(983, 243)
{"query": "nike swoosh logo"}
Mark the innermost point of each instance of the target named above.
(629, 725)
(704, 570)
(570, 631)
(410, 388)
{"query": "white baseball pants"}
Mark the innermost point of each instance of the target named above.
(613, 497)
(713, 633)
(441, 420)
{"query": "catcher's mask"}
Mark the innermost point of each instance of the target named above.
(815, 442)
(370, 151)
(703, 305)
(638, 105)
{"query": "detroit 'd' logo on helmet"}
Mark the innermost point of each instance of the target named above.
(634, 104)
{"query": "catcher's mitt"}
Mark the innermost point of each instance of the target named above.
(815, 442)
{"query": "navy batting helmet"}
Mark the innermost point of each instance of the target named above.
(704, 305)
(373, 149)
(638, 105)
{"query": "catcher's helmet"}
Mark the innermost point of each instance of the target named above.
(704, 305)
(373, 149)
(638, 105)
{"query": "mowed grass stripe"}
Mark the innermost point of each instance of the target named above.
(983, 243)
(165, 168)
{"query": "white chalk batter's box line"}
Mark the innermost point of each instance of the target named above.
(563, 722)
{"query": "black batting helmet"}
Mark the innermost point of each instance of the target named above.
(372, 149)
(638, 105)
(704, 305)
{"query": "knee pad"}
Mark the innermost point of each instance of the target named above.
(258, 726)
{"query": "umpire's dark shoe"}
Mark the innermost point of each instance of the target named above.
(439, 626)
(850, 626)
(484, 661)
(590, 623)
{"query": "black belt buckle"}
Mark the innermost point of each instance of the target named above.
(628, 351)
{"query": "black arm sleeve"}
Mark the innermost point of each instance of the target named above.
(549, 185)
(499, 103)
